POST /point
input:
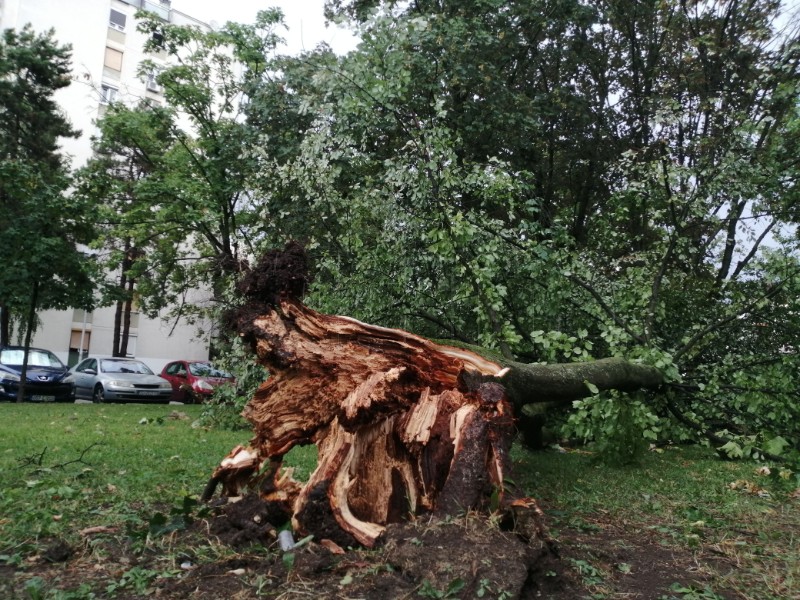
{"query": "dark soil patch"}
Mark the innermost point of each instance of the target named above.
(235, 555)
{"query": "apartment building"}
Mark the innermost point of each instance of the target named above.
(106, 53)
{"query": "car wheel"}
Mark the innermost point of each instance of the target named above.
(99, 394)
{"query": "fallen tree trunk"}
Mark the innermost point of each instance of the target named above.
(535, 383)
(403, 425)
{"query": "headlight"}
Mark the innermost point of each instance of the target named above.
(203, 385)
(70, 378)
(165, 385)
(121, 383)
(9, 377)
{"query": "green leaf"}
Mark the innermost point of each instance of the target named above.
(776, 445)
(455, 586)
(732, 449)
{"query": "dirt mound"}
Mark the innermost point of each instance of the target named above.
(456, 558)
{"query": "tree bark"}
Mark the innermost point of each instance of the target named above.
(5, 325)
(563, 383)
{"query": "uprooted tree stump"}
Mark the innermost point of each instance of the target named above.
(403, 425)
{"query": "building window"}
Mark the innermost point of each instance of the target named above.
(80, 315)
(131, 346)
(116, 20)
(108, 94)
(78, 346)
(113, 59)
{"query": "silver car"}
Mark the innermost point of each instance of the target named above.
(119, 379)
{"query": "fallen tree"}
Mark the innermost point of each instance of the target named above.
(403, 425)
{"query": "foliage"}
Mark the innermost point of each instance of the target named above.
(565, 182)
(622, 426)
(175, 179)
(42, 227)
(553, 181)
(224, 408)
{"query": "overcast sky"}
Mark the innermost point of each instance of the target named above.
(303, 18)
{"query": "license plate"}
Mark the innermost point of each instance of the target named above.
(43, 398)
(148, 393)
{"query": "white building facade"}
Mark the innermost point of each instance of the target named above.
(106, 53)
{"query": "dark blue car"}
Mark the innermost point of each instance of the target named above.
(47, 379)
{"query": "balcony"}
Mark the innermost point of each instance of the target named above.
(160, 8)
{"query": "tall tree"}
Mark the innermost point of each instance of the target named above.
(43, 266)
(177, 178)
(132, 145)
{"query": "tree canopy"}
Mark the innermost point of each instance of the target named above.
(565, 181)
(174, 175)
(557, 181)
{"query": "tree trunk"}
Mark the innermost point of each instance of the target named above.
(563, 383)
(122, 314)
(117, 329)
(126, 319)
(5, 326)
(23, 377)
(403, 425)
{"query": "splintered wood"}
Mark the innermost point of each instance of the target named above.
(403, 426)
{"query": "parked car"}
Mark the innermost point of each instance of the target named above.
(119, 379)
(194, 380)
(46, 380)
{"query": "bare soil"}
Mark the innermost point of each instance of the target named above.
(234, 554)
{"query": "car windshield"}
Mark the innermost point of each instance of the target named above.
(124, 366)
(36, 358)
(206, 370)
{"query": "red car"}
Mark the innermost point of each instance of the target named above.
(194, 380)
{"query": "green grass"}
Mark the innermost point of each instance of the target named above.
(64, 467)
(686, 498)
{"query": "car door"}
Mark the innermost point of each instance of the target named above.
(175, 373)
(85, 373)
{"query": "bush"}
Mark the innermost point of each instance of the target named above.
(224, 409)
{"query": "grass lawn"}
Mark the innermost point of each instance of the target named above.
(120, 470)
(735, 525)
(64, 467)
